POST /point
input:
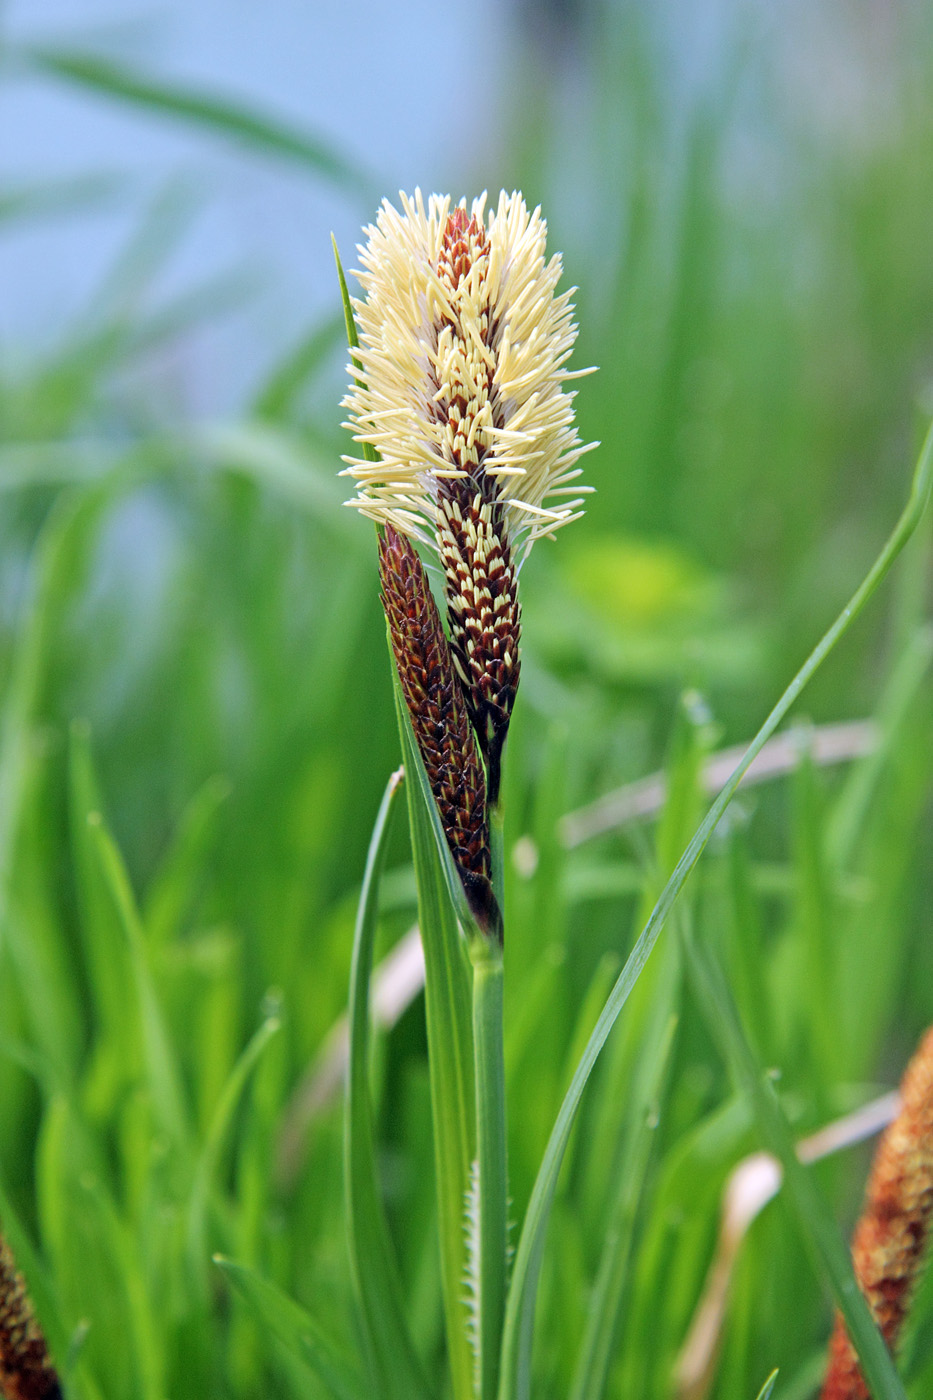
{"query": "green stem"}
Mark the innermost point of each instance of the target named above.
(497, 853)
(490, 1225)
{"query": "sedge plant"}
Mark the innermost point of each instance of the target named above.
(470, 450)
(472, 379)
(469, 453)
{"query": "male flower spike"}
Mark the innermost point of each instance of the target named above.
(461, 367)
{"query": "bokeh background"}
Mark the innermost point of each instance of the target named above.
(190, 637)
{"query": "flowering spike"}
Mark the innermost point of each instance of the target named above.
(439, 721)
(463, 346)
(26, 1370)
(483, 615)
(463, 343)
(891, 1234)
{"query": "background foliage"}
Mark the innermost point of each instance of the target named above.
(197, 724)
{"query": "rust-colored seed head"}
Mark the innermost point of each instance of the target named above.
(26, 1370)
(439, 720)
(891, 1235)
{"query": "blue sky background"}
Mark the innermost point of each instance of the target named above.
(385, 84)
(413, 93)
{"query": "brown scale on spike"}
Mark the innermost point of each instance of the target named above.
(483, 612)
(26, 1370)
(890, 1238)
(439, 720)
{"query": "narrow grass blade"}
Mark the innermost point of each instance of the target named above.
(107, 957)
(172, 887)
(855, 801)
(450, 1050)
(743, 938)
(353, 337)
(489, 1201)
(276, 460)
(95, 1256)
(658, 994)
(818, 1229)
(815, 909)
(516, 1367)
(596, 1354)
(206, 1168)
(375, 1271)
(281, 394)
(765, 1391)
(24, 684)
(207, 301)
(221, 116)
(119, 297)
(162, 1068)
(54, 463)
(122, 1247)
(299, 1334)
(272, 457)
(37, 199)
(31, 938)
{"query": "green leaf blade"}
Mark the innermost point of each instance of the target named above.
(450, 1050)
(163, 1070)
(375, 1270)
(814, 1218)
(220, 116)
(515, 1381)
(296, 1330)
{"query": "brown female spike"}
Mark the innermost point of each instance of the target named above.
(26, 1370)
(891, 1235)
(439, 720)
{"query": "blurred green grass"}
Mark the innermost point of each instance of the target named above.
(197, 725)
